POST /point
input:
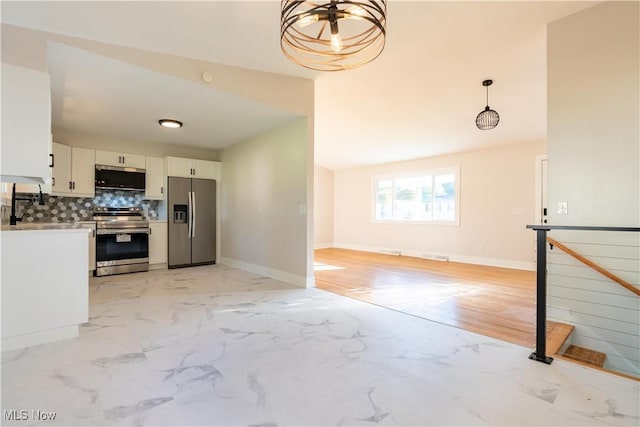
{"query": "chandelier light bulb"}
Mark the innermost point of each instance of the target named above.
(336, 43)
(356, 12)
(307, 20)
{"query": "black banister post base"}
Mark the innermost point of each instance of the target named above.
(541, 299)
(543, 359)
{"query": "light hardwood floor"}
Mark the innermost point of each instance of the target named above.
(496, 302)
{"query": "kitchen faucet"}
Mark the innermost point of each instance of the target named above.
(13, 219)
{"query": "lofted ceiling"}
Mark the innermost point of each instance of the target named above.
(99, 95)
(418, 99)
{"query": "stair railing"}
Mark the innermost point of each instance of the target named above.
(539, 354)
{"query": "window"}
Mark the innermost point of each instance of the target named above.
(429, 196)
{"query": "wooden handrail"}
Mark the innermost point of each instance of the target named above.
(595, 266)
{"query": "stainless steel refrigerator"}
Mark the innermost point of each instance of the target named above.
(192, 221)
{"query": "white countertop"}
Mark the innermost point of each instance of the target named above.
(47, 226)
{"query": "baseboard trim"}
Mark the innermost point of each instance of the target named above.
(323, 245)
(162, 266)
(41, 337)
(301, 281)
(493, 262)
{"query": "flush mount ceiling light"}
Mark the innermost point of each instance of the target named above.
(170, 123)
(488, 118)
(332, 35)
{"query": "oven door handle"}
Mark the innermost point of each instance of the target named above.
(122, 231)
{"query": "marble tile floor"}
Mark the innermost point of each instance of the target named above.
(215, 345)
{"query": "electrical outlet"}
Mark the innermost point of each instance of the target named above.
(562, 208)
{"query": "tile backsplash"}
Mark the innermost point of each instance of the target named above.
(69, 209)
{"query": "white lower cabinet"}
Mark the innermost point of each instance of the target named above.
(158, 243)
(45, 286)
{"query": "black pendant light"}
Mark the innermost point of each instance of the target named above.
(488, 118)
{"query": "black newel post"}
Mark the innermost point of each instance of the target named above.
(541, 299)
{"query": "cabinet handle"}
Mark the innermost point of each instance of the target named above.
(150, 230)
(53, 182)
(74, 185)
(53, 160)
(161, 190)
(70, 185)
(93, 232)
(123, 160)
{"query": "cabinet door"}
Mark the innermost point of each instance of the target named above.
(112, 158)
(108, 158)
(26, 125)
(180, 167)
(204, 169)
(157, 243)
(36, 188)
(83, 171)
(61, 170)
(133, 161)
(92, 244)
(154, 179)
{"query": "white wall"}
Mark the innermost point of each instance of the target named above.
(264, 191)
(594, 163)
(497, 202)
(323, 207)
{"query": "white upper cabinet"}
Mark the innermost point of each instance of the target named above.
(35, 188)
(155, 178)
(110, 158)
(192, 168)
(177, 166)
(26, 125)
(205, 169)
(74, 171)
(61, 169)
(83, 172)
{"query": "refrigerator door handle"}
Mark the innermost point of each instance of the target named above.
(193, 216)
(189, 214)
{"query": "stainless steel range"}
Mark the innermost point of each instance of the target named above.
(122, 241)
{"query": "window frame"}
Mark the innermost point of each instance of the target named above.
(455, 170)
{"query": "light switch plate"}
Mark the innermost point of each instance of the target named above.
(562, 208)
